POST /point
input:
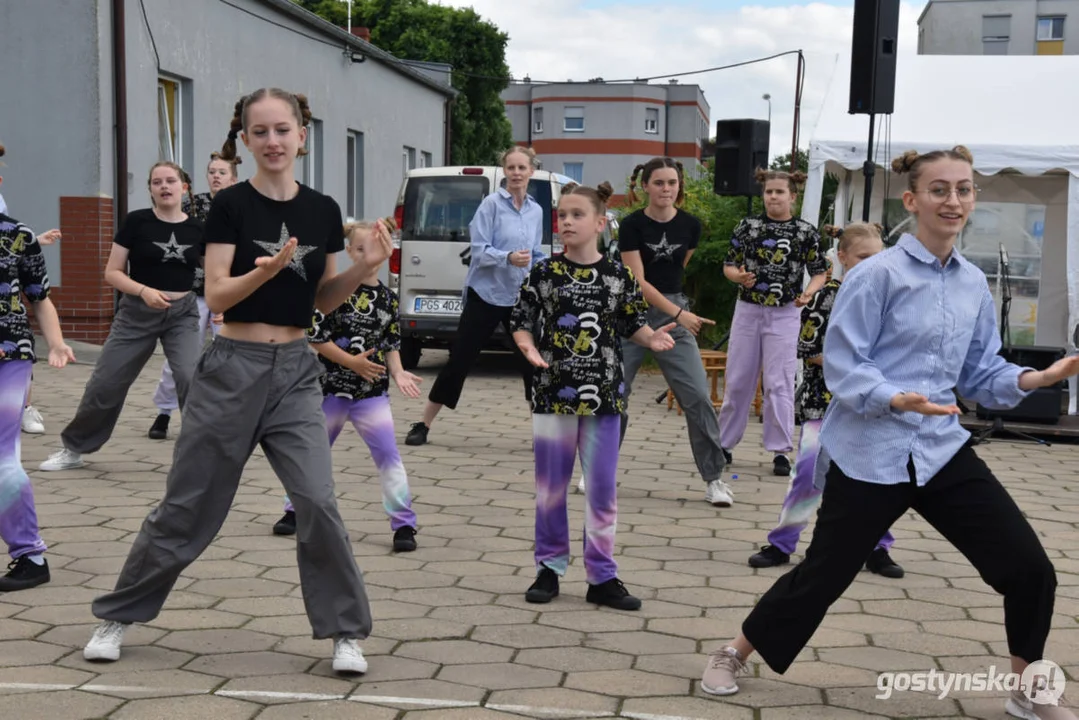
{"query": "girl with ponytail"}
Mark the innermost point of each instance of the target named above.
(270, 264)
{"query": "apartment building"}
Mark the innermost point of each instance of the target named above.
(999, 27)
(597, 131)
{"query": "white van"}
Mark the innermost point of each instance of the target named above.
(433, 250)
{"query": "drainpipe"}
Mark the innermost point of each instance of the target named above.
(447, 139)
(667, 126)
(119, 94)
(528, 120)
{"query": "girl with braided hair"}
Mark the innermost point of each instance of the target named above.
(909, 325)
(220, 174)
(657, 242)
(152, 263)
(270, 264)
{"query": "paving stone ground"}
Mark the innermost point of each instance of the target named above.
(453, 637)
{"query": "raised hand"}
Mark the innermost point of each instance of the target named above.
(49, 237)
(745, 279)
(281, 260)
(367, 369)
(915, 402)
(521, 258)
(692, 322)
(381, 247)
(661, 339)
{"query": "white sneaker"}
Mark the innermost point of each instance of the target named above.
(719, 494)
(348, 657)
(580, 485)
(32, 422)
(63, 460)
(106, 642)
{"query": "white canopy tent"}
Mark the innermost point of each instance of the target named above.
(1019, 116)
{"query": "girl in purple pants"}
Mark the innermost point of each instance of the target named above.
(856, 243)
(577, 307)
(357, 341)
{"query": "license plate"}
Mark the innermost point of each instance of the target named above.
(439, 305)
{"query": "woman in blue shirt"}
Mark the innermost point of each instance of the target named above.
(908, 326)
(507, 234)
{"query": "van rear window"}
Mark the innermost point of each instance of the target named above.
(540, 190)
(440, 208)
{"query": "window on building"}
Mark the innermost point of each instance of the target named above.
(169, 120)
(573, 120)
(921, 40)
(996, 32)
(574, 171)
(354, 163)
(427, 160)
(408, 159)
(651, 120)
(312, 161)
(537, 120)
(1050, 28)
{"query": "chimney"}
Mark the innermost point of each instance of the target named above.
(362, 33)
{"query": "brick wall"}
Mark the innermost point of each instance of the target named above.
(84, 301)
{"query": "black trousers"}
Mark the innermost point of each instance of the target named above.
(964, 502)
(479, 320)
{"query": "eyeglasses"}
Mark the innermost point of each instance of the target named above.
(942, 193)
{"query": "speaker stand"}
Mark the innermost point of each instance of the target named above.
(997, 428)
(869, 170)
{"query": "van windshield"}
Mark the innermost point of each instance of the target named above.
(440, 208)
(540, 190)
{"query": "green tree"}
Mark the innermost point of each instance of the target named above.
(475, 48)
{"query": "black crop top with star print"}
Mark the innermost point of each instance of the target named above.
(161, 255)
(663, 246)
(259, 227)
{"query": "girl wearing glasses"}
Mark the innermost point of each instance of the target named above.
(909, 325)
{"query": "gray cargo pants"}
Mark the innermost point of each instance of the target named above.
(132, 339)
(246, 394)
(684, 372)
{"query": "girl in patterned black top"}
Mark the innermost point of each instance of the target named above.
(152, 263)
(856, 243)
(270, 263)
(22, 275)
(357, 342)
(220, 174)
(570, 317)
(768, 258)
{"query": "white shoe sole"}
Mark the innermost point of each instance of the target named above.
(719, 691)
(46, 467)
(356, 667)
(101, 654)
(39, 430)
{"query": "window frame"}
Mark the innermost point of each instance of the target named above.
(651, 121)
(1051, 20)
(170, 135)
(312, 161)
(566, 117)
(354, 167)
(537, 121)
(576, 177)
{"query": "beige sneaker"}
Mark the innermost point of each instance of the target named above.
(721, 675)
(1019, 706)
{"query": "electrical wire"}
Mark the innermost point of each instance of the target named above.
(153, 43)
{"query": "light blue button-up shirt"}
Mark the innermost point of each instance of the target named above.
(497, 229)
(902, 322)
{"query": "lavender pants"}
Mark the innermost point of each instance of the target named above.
(765, 336)
(374, 423)
(803, 497)
(558, 440)
(18, 517)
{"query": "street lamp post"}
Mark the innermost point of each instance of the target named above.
(349, 17)
(768, 98)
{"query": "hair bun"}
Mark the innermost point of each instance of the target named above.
(605, 191)
(568, 188)
(799, 177)
(905, 162)
(832, 231)
(963, 152)
(2, 150)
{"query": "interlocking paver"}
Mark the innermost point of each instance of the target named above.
(453, 636)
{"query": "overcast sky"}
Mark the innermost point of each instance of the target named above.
(617, 39)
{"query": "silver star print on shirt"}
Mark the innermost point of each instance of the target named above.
(663, 250)
(173, 250)
(296, 264)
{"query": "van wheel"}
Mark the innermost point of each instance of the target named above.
(411, 349)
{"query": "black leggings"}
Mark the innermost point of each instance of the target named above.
(479, 320)
(964, 502)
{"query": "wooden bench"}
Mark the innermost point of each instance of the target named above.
(715, 364)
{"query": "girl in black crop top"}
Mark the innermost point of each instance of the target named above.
(153, 261)
(270, 264)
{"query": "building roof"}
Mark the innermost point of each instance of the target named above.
(351, 41)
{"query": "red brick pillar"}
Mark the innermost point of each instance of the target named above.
(84, 301)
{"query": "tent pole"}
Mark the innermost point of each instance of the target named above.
(869, 169)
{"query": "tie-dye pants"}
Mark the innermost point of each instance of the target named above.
(18, 516)
(558, 440)
(803, 497)
(374, 423)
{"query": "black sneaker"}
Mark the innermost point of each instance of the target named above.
(545, 589)
(769, 556)
(781, 465)
(24, 573)
(417, 435)
(727, 455)
(160, 429)
(404, 539)
(286, 525)
(881, 563)
(612, 594)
